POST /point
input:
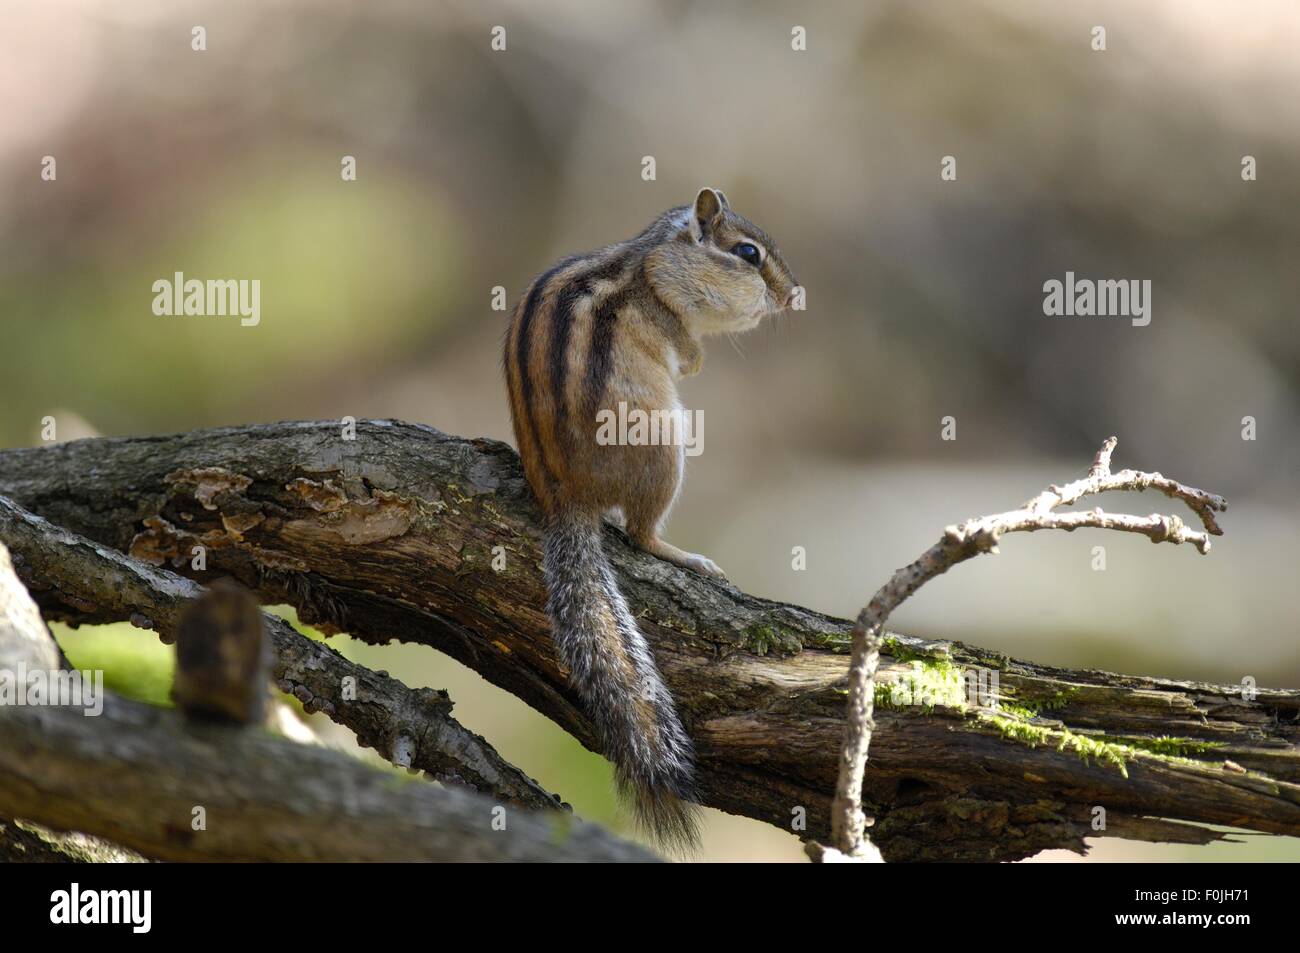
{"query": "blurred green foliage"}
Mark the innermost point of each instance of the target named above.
(347, 273)
(135, 664)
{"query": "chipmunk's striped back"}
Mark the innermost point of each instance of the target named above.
(613, 331)
(577, 324)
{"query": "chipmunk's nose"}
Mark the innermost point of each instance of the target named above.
(789, 299)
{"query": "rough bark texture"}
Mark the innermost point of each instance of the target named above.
(136, 774)
(22, 842)
(78, 580)
(391, 535)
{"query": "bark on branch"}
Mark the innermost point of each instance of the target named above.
(138, 774)
(77, 580)
(394, 535)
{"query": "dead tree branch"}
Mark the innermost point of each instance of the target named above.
(407, 533)
(77, 580)
(142, 775)
(962, 542)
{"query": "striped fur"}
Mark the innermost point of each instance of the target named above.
(622, 325)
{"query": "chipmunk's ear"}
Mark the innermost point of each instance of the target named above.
(709, 205)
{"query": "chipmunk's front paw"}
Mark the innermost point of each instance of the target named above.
(704, 566)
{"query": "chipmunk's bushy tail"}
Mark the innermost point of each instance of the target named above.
(611, 667)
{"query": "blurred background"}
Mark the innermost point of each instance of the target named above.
(477, 168)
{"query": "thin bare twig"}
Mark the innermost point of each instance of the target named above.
(959, 543)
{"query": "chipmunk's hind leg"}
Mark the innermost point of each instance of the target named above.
(648, 510)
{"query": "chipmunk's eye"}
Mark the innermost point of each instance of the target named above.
(747, 252)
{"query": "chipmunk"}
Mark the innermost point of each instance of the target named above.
(624, 324)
